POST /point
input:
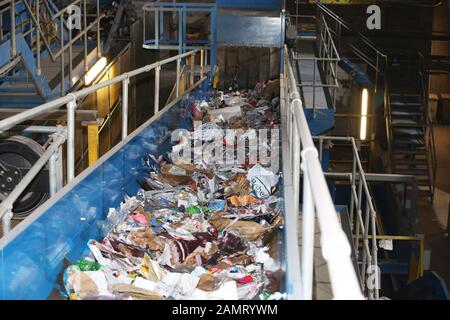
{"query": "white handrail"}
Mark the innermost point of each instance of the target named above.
(316, 199)
(70, 101)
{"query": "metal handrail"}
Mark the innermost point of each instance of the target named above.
(364, 225)
(53, 155)
(303, 156)
(65, 44)
(70, 101)
(378, 63)
(328, 56)
(388, 121)
(429, 142)
(343, 23)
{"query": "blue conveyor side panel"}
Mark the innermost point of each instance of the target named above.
(33, 253)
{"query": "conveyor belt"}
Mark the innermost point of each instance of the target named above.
(34, 254)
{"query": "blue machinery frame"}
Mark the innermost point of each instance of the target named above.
(238, 28)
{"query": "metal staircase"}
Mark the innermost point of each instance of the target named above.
(410, 129)
(408, 120)
(41, 55)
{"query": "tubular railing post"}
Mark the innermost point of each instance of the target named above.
(178, 77)
(59, 170)
(314, 88)
(62, 55)
(13, 29)
(359, 213)
(375, 253)
(191, 76)
(307, 234)
(292, 140)
(320, 149)
(38, 40)
(201, 63)
(157, 78)
(71, 106)
(6, 222)
(125, 84)
(69, 31)
(296, 168)
(366, 243)
(352, 198)
(52, 176)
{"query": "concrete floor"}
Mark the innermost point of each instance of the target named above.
(433, 217)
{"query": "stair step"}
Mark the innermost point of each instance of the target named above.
(416, 151)
(411, 162)
(425, 193)
(407, 123)
(408, 131)
(405, 104)
(414, 172)
(406, 97)
(402, 140)
(406, 113)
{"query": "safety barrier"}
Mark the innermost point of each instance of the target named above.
(300, 153)
(70, 101)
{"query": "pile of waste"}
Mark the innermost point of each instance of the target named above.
(198, 229)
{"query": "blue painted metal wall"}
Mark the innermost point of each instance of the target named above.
(259, 4)
(243, 30)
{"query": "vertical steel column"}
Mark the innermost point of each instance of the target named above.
(156, 101)
(143, 25)
(180, 32)
(1, 27)
(69, 31)
(307, 234)
(38, 39)
(93, 141)
(13, 29)
(99, 44)
(157, 28)
(86, 67)
(71, 106)
(125, 84)
(61, 27)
